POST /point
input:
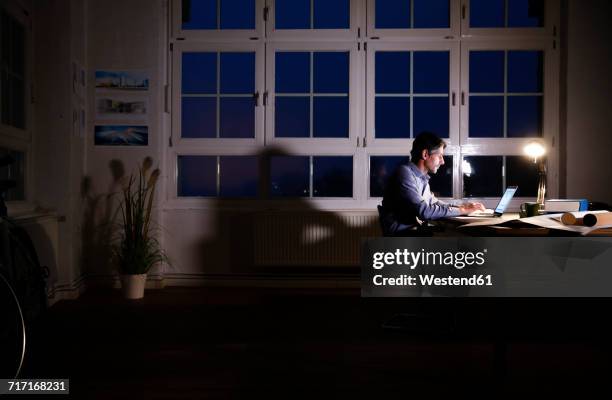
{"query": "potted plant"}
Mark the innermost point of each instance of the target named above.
(136, 249)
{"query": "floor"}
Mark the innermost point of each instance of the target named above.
(189, 343)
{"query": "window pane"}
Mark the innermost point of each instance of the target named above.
(431, 114)
(392, 119)
(331, 117)
(525, 71)
(292, 14)
(392, 14)
(431, 72)
(238, 176)
(486, 116)
(199, 14)
(331, 14)
(524, 116)
(392, 72)
(522, 172)
(14, 172)
(199, 117)
(431, 14)
(331, 72)
(332, 176)
(292, 72)
(197, 176)
(237, 14)
(12, 71)
(199, 73)
(292, 117)
(482, 176)
(289, 176)
(525, 13)
(381, 168)
(441, 183)
(237, 118)
(486, 71)
(486, 13)
(238, 73)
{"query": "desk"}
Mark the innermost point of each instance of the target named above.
(510, 224)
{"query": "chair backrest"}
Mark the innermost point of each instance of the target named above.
(381, 220)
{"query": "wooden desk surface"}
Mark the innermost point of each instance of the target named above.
(510, 225)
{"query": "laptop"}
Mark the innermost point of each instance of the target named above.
(501, 206)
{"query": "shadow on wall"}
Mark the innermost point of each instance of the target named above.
(279, 234)
(98, 224)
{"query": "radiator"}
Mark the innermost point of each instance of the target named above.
(311, 238)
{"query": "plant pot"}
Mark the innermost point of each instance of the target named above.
(132, 285)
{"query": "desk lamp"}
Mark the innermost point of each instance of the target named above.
(536, 150)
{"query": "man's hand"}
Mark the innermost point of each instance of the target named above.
(467, 208)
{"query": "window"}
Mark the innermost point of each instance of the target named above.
(488, 176)
(12, 71)
(506, 13)
(506, 93)
(320, 100)
(320, 95)
(15, 139)
(12, 174)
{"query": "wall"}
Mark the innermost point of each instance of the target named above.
(57, 147)
(589, 96)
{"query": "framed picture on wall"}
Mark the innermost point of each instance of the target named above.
(121, 135)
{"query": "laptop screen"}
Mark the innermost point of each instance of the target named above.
(505, 200)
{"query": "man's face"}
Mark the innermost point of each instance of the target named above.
(433, 160)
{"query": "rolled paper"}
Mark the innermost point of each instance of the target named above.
(572, 218)
(598, 219)
(578, 217)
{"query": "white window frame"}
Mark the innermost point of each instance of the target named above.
(551, 21)
(319, 35)
(415, 33)
(453, 123)
(217, 35)
(216, 143)
(458, 39)
(550, 110)
(315, 144)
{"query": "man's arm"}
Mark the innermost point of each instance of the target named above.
(410, 194)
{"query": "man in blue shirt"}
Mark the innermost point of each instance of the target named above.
(408, 201)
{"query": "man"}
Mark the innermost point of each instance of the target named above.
(408, 201)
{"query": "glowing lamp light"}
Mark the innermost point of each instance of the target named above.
(466, 167)
(536, 150)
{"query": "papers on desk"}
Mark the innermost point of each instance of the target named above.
(553, 221)
(550, 221)
(484, 221)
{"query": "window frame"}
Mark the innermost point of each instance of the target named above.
(321, 35)
(216, 143)
(415, 33)
(551, 18)
(550, 110)
(355, 87)
(216, 35)
(361, 42)
(453, 119)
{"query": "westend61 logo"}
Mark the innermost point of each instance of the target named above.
(414, 259)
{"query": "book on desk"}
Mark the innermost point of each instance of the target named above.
(565, 205)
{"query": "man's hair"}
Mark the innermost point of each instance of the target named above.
(425, 141)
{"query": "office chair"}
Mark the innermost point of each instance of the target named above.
(387, 222)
